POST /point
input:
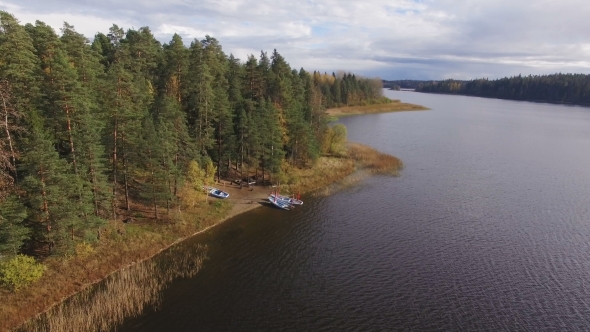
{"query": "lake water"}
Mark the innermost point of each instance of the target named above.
(487, 228)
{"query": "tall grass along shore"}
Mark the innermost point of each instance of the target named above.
(392, 106)
(66, 297)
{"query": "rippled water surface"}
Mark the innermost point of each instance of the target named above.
(488, 228)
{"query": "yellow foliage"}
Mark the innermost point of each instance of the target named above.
(20, 271)
(210, 170)
(84, 249)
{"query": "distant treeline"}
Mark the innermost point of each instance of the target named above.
(91, 131)
(555, 88)
(404, 84)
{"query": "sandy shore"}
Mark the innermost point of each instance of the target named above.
(244, 199)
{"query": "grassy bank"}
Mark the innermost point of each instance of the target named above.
(127, 248)
(393, 106)
(120, 246)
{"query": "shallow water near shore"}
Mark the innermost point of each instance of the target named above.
(488, 228)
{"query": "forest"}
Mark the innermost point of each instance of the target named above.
(92, 128)
(555, 88)
(404, 84)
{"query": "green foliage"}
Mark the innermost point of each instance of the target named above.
(556, 88)
(125, 124)
(12, 230)
(84, 249)
(335, 139)
(20, 271)
(210, 170)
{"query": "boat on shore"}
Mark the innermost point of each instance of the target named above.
(218, 193)
(292, 201)
(279, 202)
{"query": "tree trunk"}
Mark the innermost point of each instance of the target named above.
(45, 203)
(94, 188)
(219, 153)
(70, 136)
(115, 168)
(125, 177)
(4, 93)
(154, 201)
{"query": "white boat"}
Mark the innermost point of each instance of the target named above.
(218, 193)
(279, 203)
(287, 199)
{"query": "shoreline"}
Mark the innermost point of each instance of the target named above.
(564, 103)
(392, 107)
(31, 305)
(328, 171)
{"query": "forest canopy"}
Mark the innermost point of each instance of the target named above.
(556, 88)
(89, 127)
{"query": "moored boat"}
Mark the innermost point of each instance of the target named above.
(218, 193)
(279, 202)
(287, 199)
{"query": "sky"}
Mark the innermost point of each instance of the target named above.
(391, 39)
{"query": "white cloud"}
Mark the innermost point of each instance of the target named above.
(413, 38)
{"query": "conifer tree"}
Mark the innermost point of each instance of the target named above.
(170, 117)
(128, 103)
(49, 191)
(18, 92)
(9, 123)
(13, 232)
(89, 117)
(201, 99)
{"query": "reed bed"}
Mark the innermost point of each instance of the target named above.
(331, 174)
(120, 245)
(123, 294)
(394, 106)
(128, 292)
(374, 161)
(326, 171)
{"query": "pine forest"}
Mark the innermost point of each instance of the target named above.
(92, 128)
(555, 88)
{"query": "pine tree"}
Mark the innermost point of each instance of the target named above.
(9, 123)
(200, 100)
(89, 118)
(13, 232)
(18, 92)
(129, 102)
(50, 189)
(222, 118)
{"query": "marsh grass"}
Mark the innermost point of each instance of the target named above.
(69, 287)
(373, 161)
(120, 246)
(326, 171)
(393, 106)
(124, 294)
(331, 173)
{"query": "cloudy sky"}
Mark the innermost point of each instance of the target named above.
(392, 39)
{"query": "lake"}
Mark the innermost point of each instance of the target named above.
(487, 228)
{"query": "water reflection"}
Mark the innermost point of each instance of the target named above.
(486, 229)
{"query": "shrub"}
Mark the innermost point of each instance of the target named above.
(84, 249)
(20, 271)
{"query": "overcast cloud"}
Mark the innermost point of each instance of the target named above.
(393, 39)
